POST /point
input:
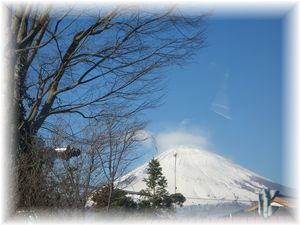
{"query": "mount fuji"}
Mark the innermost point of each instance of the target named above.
(203, 177)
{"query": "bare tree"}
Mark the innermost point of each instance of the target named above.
(66, 61)
(67, 178)
(109, 147)
(123, 137)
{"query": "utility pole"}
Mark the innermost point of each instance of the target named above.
(175, 188)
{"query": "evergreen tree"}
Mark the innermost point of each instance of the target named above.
(155, 194)
(119, 199)
(177, 199)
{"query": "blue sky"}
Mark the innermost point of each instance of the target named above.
(250, 52)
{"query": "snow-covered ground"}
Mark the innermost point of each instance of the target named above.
(203, 178)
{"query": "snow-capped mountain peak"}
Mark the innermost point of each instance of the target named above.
(202, 177)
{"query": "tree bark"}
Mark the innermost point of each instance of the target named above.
(111, 189)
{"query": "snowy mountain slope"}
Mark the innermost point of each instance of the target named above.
(203, 177)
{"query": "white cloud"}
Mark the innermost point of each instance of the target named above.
(147, 137)
(181, 136)
(184, 123)
(220, 105)
(184, 134)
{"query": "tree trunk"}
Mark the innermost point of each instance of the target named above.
(30, 175)
(111, 189)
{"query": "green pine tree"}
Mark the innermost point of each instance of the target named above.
(155, 194)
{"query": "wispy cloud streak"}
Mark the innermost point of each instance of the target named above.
(220, 105)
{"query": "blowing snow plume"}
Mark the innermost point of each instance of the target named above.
(220, 105)
(180, 137)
